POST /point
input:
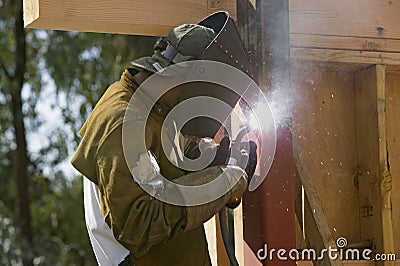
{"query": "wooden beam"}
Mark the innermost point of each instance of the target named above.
(374, 177)
(393, 135)
(368, 178)
(386, 177)
(141, 17)
(344, 43)
(344, 56)
(313, 206)
(357, 18)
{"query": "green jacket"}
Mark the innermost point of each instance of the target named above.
(156, 233)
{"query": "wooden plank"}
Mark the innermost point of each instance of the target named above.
(345, 56)
(392, 70)
(385, 175)
(344, 43)
(218, 5)
(314, 237)
(31, 11)
(393, 137)
(369, 175)
(314, 207)
(325, 132)
(323, 109)
(143, 17)
(367, 150)
(330, 66)
(374, 174)
(357, 18)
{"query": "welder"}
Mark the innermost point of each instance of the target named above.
(126, 224)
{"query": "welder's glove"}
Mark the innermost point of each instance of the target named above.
(244, 155)
(250, 157)
(221, 157)
(192, 151)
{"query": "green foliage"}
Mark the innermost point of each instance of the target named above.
(79, 67)
(61, 236)
(93, 61)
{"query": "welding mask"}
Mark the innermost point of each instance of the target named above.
(215, 38)
(227, 48)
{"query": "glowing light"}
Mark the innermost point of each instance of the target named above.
(260, 117)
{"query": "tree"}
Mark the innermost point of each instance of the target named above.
(41, 218)
(13, 82)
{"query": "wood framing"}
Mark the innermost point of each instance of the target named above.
(325, 136)
(374, 176)
(358, 31)
(344, 43)
(368, 176)
(320, 236)
(393, 149)
(344, 56)
(356, 18)
(384, 171)
(140, 17)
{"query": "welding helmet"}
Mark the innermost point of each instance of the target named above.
(183, 43)
(215, 38)
(226, 47)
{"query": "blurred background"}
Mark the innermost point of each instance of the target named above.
(49, 83)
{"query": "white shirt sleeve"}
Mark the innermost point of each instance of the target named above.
(108, 251)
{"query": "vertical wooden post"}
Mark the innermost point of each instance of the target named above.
(385, 175)
(393, 135)
(374, 177)
(368, 176)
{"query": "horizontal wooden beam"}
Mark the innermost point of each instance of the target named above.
(357, 18)
(344, 43)
(140, 17)
(345, 56)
